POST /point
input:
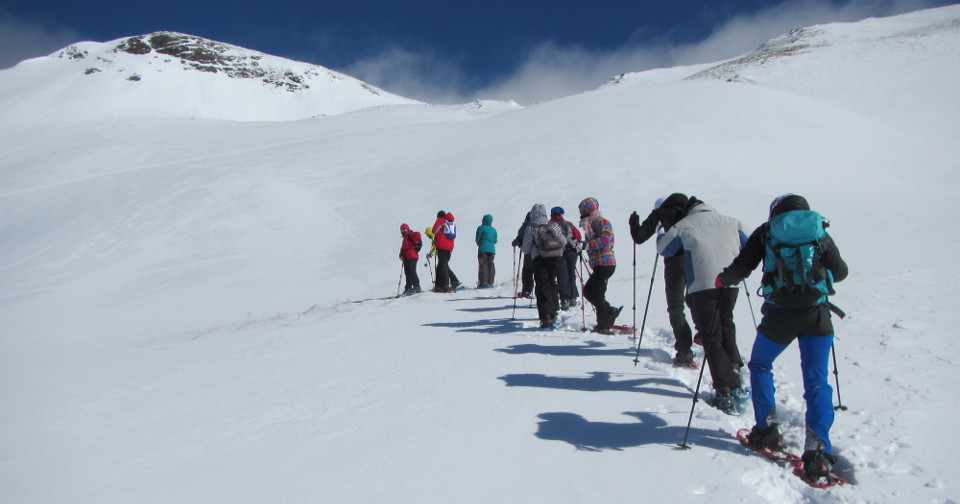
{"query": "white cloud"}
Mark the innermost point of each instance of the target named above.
(551, 70)
(20, 40)
(422, 76)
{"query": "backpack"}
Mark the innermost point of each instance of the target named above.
(793, 273)
(417, 242)
(548, 243)
(450, 230)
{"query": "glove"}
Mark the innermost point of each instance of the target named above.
(634, 220)
(516, 242)
(718, 283)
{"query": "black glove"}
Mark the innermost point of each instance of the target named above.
(634, 220)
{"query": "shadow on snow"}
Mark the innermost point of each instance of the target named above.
(599, 381)
(488, 326)
(590, 348)
(651, 429)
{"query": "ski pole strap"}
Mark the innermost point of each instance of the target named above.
(836, 309)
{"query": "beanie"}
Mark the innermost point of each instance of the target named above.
(786, 203)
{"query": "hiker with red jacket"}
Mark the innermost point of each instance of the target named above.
(444, 234)
(410, 254)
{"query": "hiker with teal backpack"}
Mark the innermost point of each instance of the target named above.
(800, 265)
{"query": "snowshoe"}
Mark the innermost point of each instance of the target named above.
(685, 361)
(724, 401)
(768, 439)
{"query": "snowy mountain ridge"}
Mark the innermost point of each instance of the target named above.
(195, 53)
(169, 74)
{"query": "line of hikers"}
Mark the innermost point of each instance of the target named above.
(550, 248)
(706, 256)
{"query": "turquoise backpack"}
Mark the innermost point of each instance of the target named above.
(793, 273)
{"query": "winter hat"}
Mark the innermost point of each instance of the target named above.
(672, 209)
(441, 213)
(786, 203)
(676, 201)
(556, 210)
(589, 206)
(538, 214)
(448, 216)
(404, 227)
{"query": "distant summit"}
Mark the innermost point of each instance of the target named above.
(170, 74)
(196, 53)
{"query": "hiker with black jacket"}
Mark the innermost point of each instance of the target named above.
(667, 212)
(796, 307)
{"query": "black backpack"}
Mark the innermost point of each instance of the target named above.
(417, 242)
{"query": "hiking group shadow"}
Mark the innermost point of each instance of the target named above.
(599, 381)
(485, 326)
(650, 429)
(590, 348)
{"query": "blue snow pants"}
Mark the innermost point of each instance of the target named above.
(814, 363)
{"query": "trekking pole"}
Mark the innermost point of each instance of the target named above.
(400, 279)
(647, 308)
(750, 303)
(429, 268)
(583, 304)
(516, 279)
(634, 336)
(840, 406)
(696, 393)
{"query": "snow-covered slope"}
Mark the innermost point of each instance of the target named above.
(168, 74)
(178, 319)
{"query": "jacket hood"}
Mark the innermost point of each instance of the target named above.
(700, 207)
(488, 220)
(538, 215)
(589, 206)
(676, 201)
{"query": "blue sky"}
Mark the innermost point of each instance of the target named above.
(448, 51)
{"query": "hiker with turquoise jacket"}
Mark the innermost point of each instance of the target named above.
(486, 243)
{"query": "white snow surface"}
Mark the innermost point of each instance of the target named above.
(200, 310)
